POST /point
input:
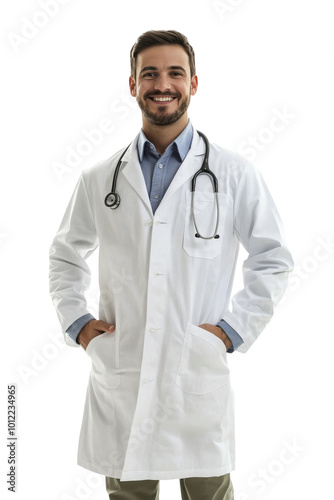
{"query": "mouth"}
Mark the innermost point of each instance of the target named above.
(164, 99)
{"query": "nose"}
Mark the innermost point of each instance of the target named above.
(162, 83)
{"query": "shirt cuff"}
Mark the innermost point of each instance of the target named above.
(232, 335)
(75, 328)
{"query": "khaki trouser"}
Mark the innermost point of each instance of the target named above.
(192, 488)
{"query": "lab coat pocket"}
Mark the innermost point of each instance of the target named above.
(206, 216)
(104, 353)
(203, 366)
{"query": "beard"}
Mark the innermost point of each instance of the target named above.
(161, 117)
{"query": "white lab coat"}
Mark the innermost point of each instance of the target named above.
(159, 402)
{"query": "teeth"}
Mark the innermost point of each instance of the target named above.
(162, 99)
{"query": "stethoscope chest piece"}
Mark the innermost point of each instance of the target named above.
(112, 200)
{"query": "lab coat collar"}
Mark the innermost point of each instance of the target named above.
(192, 162)
(133, 173)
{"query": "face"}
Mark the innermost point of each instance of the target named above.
(163, 84)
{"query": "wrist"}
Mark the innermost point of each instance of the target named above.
(224, 337)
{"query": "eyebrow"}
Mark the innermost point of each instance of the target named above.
(154, 68)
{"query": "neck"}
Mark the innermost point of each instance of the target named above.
(163, 135)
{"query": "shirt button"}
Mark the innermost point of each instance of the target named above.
(156, 196)
(160, 165)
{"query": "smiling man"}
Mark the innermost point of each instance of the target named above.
(163, 88)
(159, 401)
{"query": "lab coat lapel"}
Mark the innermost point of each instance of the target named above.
(132, 171)
(192, 162)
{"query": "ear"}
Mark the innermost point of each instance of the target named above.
(194, 84)
(132, 85)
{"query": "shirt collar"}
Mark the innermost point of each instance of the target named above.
(181, 144)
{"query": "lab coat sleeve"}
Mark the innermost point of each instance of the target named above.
(69, 273)
(258, 227)
(76, 327)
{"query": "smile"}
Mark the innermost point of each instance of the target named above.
(162, 99)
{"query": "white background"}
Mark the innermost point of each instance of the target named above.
(254, 58)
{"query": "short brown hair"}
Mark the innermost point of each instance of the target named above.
(153, 38)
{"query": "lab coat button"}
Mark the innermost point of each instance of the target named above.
(153, 330)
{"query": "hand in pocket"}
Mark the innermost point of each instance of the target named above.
(92, 329)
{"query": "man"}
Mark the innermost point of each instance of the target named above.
(159, 403)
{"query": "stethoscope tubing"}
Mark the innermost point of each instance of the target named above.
(118, 166)
(198, 234)
(205, 169)
(113, 200)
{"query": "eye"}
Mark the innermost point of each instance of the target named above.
(149, 75)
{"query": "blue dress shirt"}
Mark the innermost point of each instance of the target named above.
(159, 171)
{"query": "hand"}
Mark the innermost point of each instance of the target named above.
(219, 332)
(92, 329)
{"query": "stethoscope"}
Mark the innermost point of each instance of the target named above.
(113, 199)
